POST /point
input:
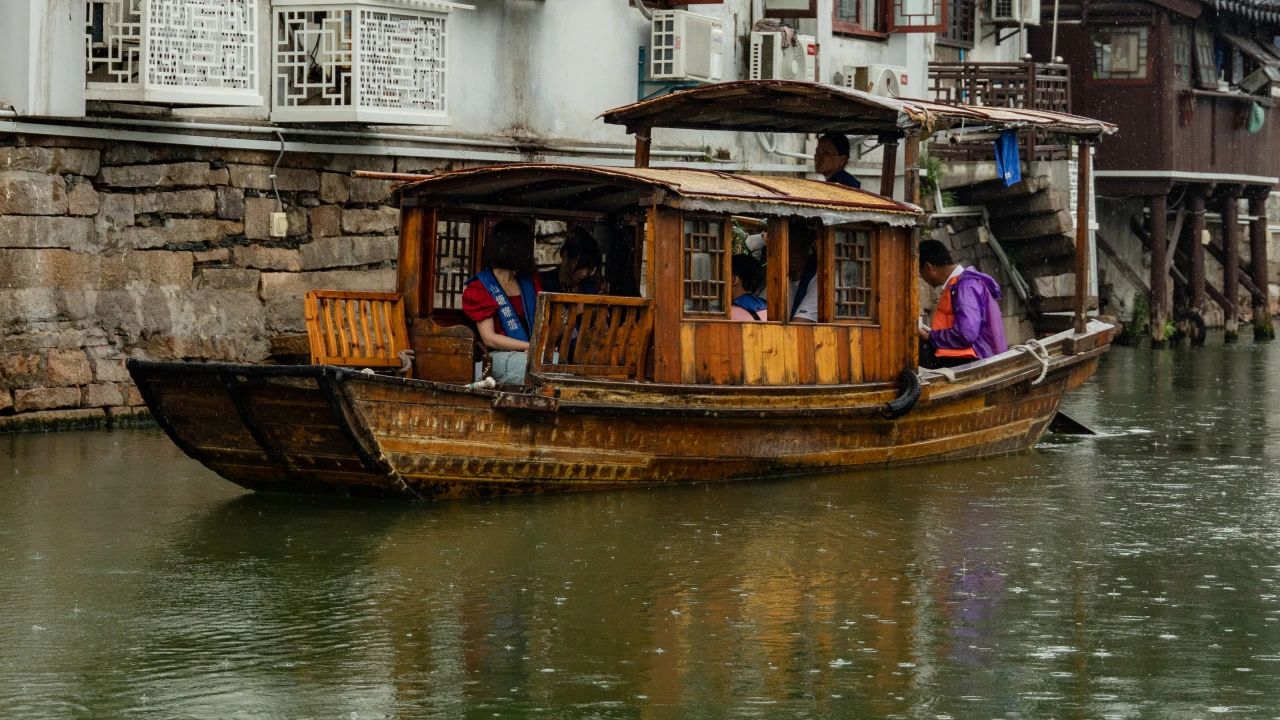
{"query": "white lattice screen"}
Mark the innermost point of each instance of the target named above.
(359, 62)
(202, 52)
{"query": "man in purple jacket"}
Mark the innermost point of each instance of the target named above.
(966, 324)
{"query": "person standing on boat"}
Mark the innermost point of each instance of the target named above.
(500, 299)
(579, 268)
(830, 157)
(748, 276)
(966, 325)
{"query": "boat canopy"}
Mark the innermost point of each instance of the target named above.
(610, 190)
(797, 106)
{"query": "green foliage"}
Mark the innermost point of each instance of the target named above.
(1136, 327)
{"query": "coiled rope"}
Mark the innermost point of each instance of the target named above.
(1037, 350)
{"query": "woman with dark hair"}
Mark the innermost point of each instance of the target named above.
(748, 276)
(578, 271)
(501, 299)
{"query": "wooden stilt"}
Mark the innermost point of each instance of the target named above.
(1195, 255)
(1084, 169)
(1158, 205)
(888, 164)
(644, 139)
(911, 169)
(1231, 264)
(1263, 328)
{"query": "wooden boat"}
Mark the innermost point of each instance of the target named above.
(653, 385)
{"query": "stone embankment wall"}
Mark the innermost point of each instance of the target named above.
(111, 251)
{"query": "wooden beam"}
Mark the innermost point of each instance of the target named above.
(1082, 238)
(888, 164)
(644, 139)
(1196, 250)
(1160, 308)
(778, 282)
(1263, 329)
(664, 230)
(1230, 264)
(1129, 273)
(911, 169)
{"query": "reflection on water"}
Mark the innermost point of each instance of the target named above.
(1131, 575)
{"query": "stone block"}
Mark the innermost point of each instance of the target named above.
(82, 199)
(176, 232)
(132, 397)
(101, 395)
(107, 363)
(151, 269)
(375, 221)
(283, 292)
(54, 420)
(265, 258)
(184, 174)
(6, 401)
(230, 203)
(179, 202)
(68, 367)
(228, 279)
(258, 177)
(54, 161)
(21, 370)
(257, 218)
(17, 231)
(345, 164)
(30, 193)
(348, 252)
(335, 188)
(326, 221)
(420, 166)
(216, 255)
(368, 190)
(45, 398)
(46, 268)
(117, 211)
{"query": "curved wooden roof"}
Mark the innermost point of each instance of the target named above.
(796, 106)
(609, 189)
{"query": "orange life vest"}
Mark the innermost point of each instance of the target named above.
(945, 319)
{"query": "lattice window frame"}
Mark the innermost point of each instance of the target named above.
(453, 262)
(855, 274)
(179, 52)
(712, 237)
(368, 61)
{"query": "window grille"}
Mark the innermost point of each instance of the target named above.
(365, 61)
(704, 259)
(855, 291)
(199, 52)
(960, 24)
(1120, 53)
(1182, 52)
(453, 263)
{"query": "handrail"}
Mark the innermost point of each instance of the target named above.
(355, 328)
(591, 335)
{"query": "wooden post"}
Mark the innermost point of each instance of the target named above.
(1082, 237)
(911, 169)
(1195, 254)
(664, 231)
(778, 282)
(644, 138)
(888, 164)
(1158, 205)
(1231, 264)
(409, 265)
(1263, 329)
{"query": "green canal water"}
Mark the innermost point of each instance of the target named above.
(1133, 575)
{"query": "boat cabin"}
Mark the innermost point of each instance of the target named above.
(668, 237)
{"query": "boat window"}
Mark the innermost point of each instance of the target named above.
(704, 262)
(854, 274)
(452, 262)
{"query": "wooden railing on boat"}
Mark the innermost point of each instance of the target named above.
(592, 335)
(355, 328)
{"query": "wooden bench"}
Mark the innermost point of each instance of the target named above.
(352, 328)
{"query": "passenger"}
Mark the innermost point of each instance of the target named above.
(966, 324)
(830, 157)
(748, 277)
(802, 269)
(579, 268)
(501, 299)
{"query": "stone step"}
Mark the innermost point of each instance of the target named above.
(1032, 226)
(986, 193)
(1045, 202)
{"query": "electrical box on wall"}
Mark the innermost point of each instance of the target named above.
(42, 49)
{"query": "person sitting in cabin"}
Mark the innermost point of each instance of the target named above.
(802, 270)
(500, 299)
(579, 268)
(830, 157)
(966, 323)
(748, 277)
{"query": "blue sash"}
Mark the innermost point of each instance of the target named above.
(802, 287)
(513, 326)
(751, 303)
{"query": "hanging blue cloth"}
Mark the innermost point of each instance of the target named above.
(1008, 165)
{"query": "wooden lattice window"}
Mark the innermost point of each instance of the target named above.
(1120, 53)
(1182, 52)
(960, 24)
(704, 266)
(452, 263)
(1206, 60)
(855, 279)
(915, 16)
(858, 16)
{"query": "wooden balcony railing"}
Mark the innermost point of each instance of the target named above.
(357, 329)
(592, 335)
(1036, 86)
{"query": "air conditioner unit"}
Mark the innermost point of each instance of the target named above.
(1014, 12)
(770, 61)
(686, 46)
(884, 80)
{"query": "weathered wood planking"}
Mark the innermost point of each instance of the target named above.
(355, 328)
